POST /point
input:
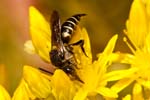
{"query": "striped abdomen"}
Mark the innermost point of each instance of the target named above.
(68, 27)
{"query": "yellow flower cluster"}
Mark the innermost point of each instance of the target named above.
(100, 83)
(138, 40)
(59, 86)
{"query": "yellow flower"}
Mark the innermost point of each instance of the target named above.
(138, 31)
(32, 77)
(127, 97)
(40, 34)
(59, 86)
(22, 92)
(4, 94)
(138, 34)
(136, 94)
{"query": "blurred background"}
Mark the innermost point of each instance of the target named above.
(105, 18)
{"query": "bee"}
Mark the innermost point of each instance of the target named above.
(62, 55)
(69, 26)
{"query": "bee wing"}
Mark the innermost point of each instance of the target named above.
(56, 30)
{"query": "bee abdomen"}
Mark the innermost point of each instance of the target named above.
(68, 27)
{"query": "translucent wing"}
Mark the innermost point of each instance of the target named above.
(56, 30)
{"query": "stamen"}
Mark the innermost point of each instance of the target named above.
(130, 42)
(129, 45)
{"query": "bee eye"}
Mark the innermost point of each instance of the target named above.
(68, 70)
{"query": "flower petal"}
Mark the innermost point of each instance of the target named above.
(105, 56)
(137, 25)
(121, 84)
(127, 97)
(111, 45)
(108, 50)
(106, 92)
(4, 94)
(120, 74)
(50, 97)
(147, 44)
(39, 85)
(77, 35)
(81, 58)
(87, 45)
(22, 92)
(137, 92)
(81, 95)
(40, 33)
(62, 87)
(148, 12)
(145, 83)
(122, 57)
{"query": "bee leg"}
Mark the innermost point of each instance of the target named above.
(81, 43)
(78, 78)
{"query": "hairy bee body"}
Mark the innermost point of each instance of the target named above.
(62, 55)
(64, 61)
(69, 26)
